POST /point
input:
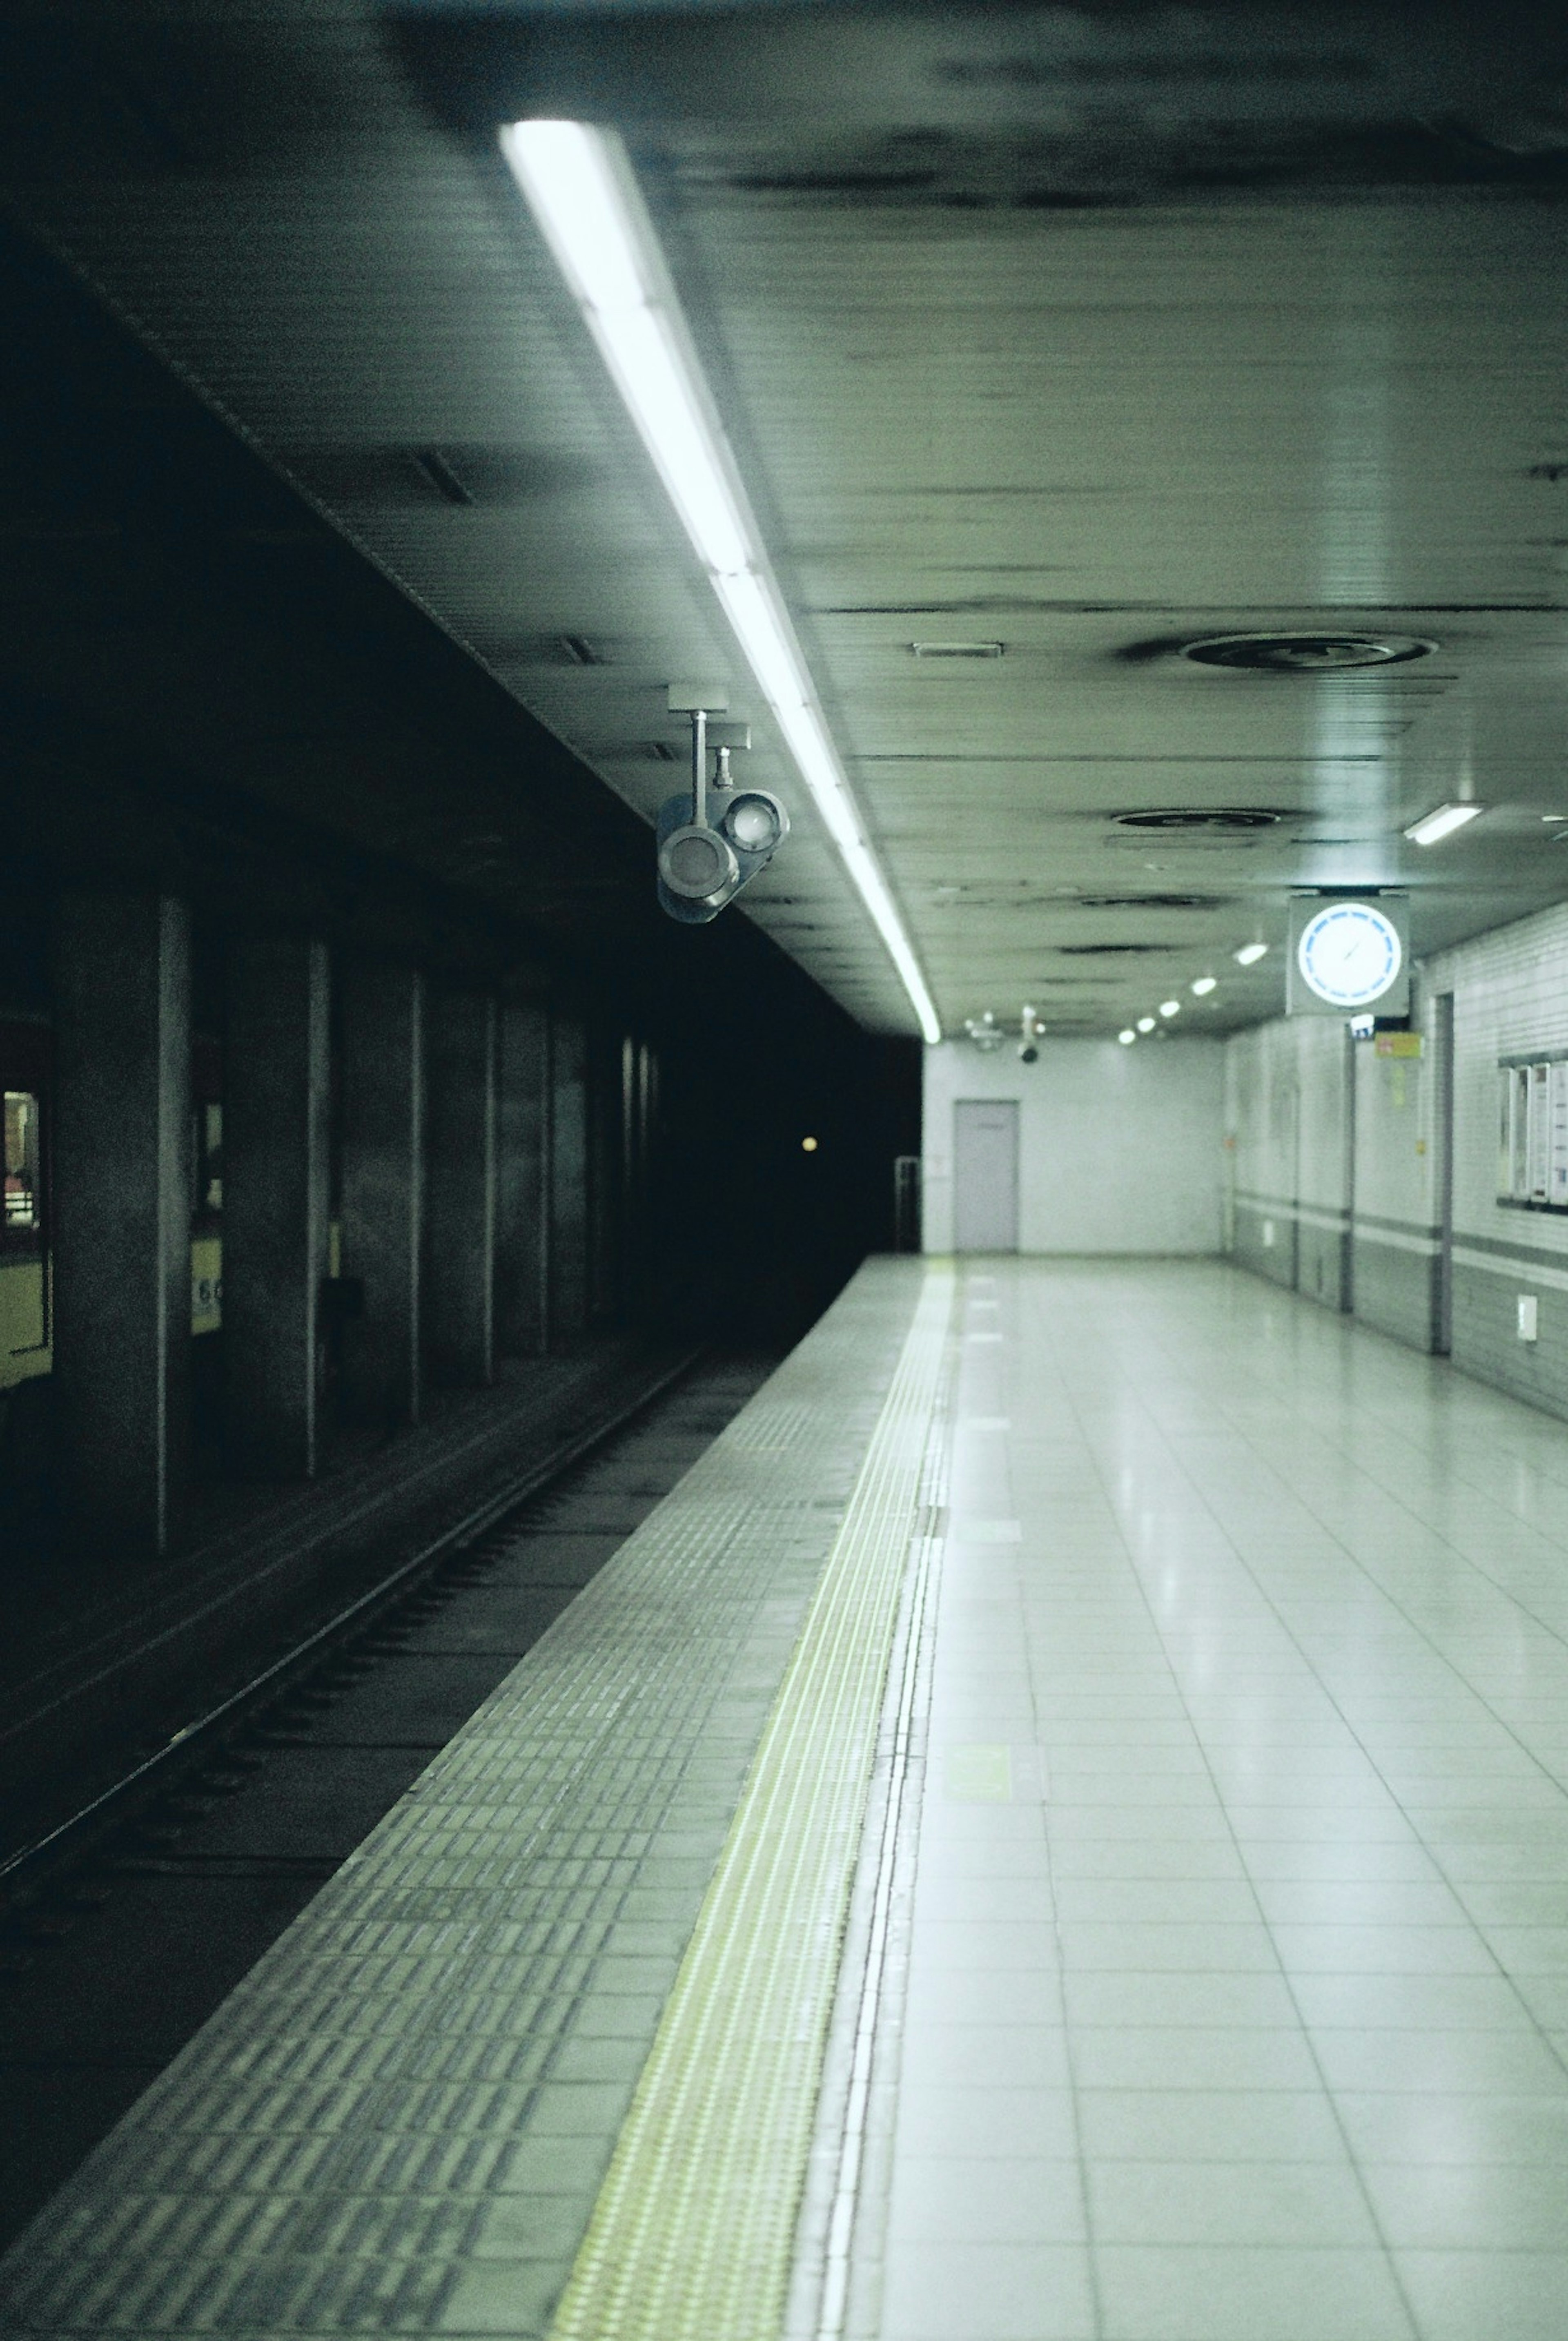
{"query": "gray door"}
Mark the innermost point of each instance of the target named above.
(986, 1174)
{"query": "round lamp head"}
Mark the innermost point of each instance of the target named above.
(698, 864)
(754, 822)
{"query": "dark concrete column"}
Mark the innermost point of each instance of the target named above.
(382, 1190)
(122, 1212)
(460, 1189)
(275, 1103)
(569, 1217)
(606, 1123)
(523, 1156)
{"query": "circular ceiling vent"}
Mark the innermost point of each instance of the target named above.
(1215, 820)
(1307, 653)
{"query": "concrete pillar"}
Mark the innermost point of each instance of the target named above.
(523, 1158)
(122, 1213)
(460, 1189)
(382, 1190)
(275, 1174)
(643, 1265)
(569, 1217)
(607, 1185)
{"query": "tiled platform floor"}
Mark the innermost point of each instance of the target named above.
(400, 2122)
(1236, 1957)
(1238, 2002)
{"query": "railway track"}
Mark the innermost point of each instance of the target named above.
(124, 1925)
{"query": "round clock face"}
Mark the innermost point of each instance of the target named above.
(1349, 954)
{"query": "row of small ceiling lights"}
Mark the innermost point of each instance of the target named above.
(1201, 986)
(1429, 830)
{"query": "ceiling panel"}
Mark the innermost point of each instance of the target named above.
(1001, 365)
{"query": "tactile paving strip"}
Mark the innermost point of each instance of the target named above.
(690, 2239)
(400, 2123)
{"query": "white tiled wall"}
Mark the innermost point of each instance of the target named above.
(1510, 997)
(1393, 1137)
(1120, 1148)
(1510, 991)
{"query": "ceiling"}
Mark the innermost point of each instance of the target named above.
(1062, 338)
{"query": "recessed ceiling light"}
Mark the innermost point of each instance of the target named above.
(957, 649)
(583, 194)
(1146, 1023)
(1249, 954)
(1204, 983)
(1441, 823)
(1170, 1007)
(1127, 1036)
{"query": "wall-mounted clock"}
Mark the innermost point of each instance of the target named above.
(1350, 954)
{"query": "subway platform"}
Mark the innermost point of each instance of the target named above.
(1056, 1827)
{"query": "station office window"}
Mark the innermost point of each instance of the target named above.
(24, 1198)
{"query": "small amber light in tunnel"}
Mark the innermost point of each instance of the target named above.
(807, 1146)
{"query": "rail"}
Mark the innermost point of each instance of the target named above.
(100, 1810)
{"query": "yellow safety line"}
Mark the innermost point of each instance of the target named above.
(692, 2236)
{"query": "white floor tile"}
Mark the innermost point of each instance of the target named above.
(1242, 1911)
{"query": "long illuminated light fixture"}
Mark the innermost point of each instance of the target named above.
(581, 189)
(1434, 826)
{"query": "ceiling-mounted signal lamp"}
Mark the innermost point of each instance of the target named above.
(985, 1031)
(581, 189)
(714, 838)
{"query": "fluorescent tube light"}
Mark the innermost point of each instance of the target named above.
(581, 190)
(1204, 985)
(1249, 954)
(1441, 823)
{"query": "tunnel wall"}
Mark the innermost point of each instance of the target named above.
(496, 1171)
(1301, 1099)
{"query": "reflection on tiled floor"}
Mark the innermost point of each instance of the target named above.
(1236, 1950)
(1238, 2002)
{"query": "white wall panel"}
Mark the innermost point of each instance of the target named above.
(1510, 994)
(1120, 1149)
(1322, 1073)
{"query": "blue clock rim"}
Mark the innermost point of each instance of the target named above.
(1363, 995)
